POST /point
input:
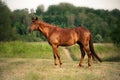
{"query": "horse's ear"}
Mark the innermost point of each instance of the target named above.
(32, 18)
(36, 18)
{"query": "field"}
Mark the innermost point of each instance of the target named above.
(34, 61)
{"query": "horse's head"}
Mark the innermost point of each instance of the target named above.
(34, 25)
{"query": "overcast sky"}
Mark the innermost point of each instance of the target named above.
(96, 4)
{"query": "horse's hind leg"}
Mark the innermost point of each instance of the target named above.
(82, 54)
(86, 47)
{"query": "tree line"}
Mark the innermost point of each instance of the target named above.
(103, 24)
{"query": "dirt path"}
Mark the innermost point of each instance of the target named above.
(67, 52)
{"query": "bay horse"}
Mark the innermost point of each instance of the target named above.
(58, 36)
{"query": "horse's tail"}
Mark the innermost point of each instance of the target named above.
(92, 49)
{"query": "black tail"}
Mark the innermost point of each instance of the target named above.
(92, 50)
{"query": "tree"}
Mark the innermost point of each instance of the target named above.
(40, 10)
(21, 20)
(6, 32)
(103, 24)
(115, 34)
(70, 19)
(98, 38)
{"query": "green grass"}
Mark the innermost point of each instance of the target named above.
(107, 52)
(34, 61)
(20, 49)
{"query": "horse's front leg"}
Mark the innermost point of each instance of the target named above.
(56, 53)
(55, 61)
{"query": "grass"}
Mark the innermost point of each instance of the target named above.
(43, 69)
(34, 61)
(20, 49)
(107, 52)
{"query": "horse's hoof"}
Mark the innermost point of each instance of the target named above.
(56, 64)
(80, 65)
(60, 65)
(89, 65)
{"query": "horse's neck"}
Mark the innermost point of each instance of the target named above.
(45, 29)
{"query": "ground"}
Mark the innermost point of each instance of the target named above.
(44, 69)
(34, 61)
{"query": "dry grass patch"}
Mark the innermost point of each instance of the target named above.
(43, 69)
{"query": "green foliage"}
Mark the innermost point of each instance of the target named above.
(98, 38)
(115, 36)
(6, 32)
(103, 24)
(116, 31)
(40, 10)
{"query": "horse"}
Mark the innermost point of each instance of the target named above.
(57, 36)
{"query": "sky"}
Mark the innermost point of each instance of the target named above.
(32, 4)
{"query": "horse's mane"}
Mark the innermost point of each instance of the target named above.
(46, 24)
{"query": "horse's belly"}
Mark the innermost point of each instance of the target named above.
(67, 42)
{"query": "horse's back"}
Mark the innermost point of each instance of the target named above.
(83, 34)
(82, 29)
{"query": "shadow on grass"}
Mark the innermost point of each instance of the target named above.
(113, 59)
(109, 59)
